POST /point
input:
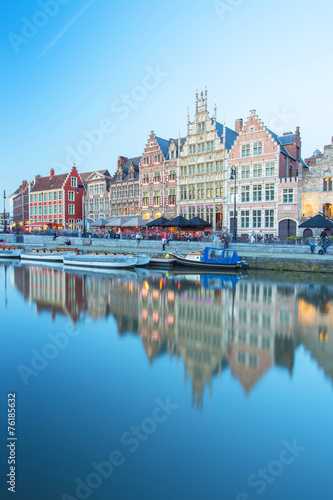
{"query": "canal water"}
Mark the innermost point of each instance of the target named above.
(158, 386)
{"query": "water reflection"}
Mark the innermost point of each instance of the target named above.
(212, 322)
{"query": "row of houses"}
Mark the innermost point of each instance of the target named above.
(208, 173)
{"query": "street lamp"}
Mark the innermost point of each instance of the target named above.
(4, 211)
(233, 176)
(82, 186)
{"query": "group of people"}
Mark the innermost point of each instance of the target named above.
(324, 242)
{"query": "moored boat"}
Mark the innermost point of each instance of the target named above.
(46, 255)
(101, 261)
(10, 253)
(142, 259)
(210, 257)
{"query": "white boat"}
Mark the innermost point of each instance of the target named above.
(10, 253)
(45, 255)
(143, 259)
(101, 261)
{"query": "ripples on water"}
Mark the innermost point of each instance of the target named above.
(182, 385)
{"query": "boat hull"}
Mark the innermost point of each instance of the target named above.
(207, 265)
(101, 261)
(45, 256)
(142, 260)
(10, 254)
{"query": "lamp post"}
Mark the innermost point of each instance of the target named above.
(81, 186)
(4, 211)
(233, 176)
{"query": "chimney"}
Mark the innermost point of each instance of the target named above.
(239, 125)
(287, 133)
(51, 173)
(121, 161)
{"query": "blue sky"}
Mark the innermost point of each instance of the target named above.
(87, 80)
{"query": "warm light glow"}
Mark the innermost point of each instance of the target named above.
(146, 285)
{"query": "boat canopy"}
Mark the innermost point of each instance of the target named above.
(219, 256)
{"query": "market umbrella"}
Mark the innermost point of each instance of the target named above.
(99, 223)
(179, 221)
(157, 222)
(318, 221)
(88, 221)
(119, 221)
(200, 222)
(135, 222)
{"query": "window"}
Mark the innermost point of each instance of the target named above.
(45, 210)
(232, 194)
(327, 184)
(269, 218)
(136, 190)
(213, 253)
(269, 192)
(172, 155)
(267, 294)
(219, 166)
(91, 190)
(201, 148)
(96, 204)
(40, 197)
(39, 210)
(257, 148)
(71, 209)
(183, 192)
(101, 204)
(191, 191)
(172, 196)
(245, 194)
(54, 209)
(210, 146)
(256, 219)
(55, 196)
(257, 192)
(245, 171)
(96, 188)
(106, 204)
(219, 189)
(73, 181)
(71, 196)
(251, 129)
(157, 158)
(191, 212)
(183, 170)
(210, 167)
(270, 168)
(125, 192)
(31, 211)
(253, 360)
(35, 210)
(245, 218)
(201, 127)
(210, 190)
(245, 150)
(119, 192)
(101, 188)
(35, 198)
(288, 196)
(145, 199)
(192, 149)
(201, 168)
(59, 209)
(31, 198)
(145, 178)
(241, 357)
(145, 161)
(257, 170)
(157, 195)
(157, 177)
(50, 210)
(130, 191)
(172, 175)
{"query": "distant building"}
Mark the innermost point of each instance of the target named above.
(269, 170)
(21, 206)
(97, 194)
(203, 167)
(318, 184)
(124, 187)
(56, 201)
(158, 177)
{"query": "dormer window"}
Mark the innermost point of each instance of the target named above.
(172, 155)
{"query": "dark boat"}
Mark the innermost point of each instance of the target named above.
(217, 258)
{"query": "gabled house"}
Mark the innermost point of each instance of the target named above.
(124, 187)
(56, 201)
(97, 194)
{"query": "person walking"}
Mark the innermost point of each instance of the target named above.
(312, 243)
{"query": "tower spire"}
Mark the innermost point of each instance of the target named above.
(196, 99)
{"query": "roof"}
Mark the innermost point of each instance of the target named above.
(230, 135)
(85, 175)
(47, 183)
(280, 143)
(287, 139)
(125, 169)
(164, 145)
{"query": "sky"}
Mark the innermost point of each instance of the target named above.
(85, 81)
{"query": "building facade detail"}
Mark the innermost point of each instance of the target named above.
(124, 187)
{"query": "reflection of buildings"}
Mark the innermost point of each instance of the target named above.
(315, 324)
(250, 327)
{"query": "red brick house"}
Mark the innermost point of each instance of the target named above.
(56, 201)
(21, 206)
